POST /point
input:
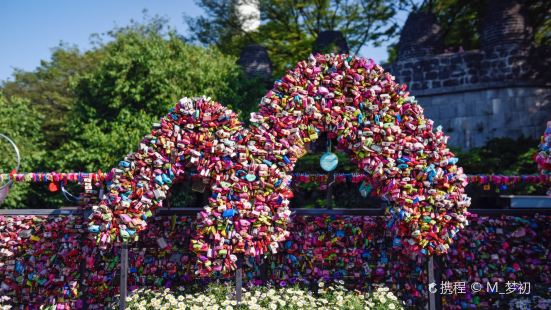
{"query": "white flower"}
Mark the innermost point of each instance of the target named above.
(321, 284)
(273, 306)
(229, 308)
(391, 306)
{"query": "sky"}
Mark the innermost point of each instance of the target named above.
(29, 29)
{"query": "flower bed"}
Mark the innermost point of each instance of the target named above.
(216, 296)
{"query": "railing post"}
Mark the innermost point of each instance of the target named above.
(239, 278)
(329, 197)
(82, 272)
(124, 275)
(432, 285)
(438, 277)
(435, 277)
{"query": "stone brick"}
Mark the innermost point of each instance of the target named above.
(473, 79)
(431, 75)
(447, 110)
(497, 106)
(450, 82)
(443, 74)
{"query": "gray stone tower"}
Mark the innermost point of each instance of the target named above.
(421, 36)
(502, 89)
(504, 24)
(330, 42)
(255, 61)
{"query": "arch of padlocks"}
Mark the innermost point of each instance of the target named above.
(353, 100)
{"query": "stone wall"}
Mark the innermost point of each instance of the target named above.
(472, 117)
(479, 95)
(499, 67)
(502, 89)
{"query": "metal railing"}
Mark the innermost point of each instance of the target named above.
(502, 206)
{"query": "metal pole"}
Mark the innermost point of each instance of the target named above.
(239, 278)
(82, 272)
(435, 278)
(432, 284)
(124, 276)
(329, 197)
(438, 277)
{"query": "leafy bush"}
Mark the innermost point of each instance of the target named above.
(502, 156)
(20, 121)
(143, 74)
(86, 111)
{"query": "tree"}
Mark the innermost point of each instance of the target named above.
(143, 74)
(289, 27)
(49, 89)
(85, 111)
(21, 122)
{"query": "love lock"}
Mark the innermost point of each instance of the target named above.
(376, 125)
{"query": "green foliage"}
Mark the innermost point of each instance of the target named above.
(314, 195)
(539, 18)
(289, 28)
(501, 156)
(86, 111)
(21, 122)
(49, 89)
(461, 21)
(141, 77)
